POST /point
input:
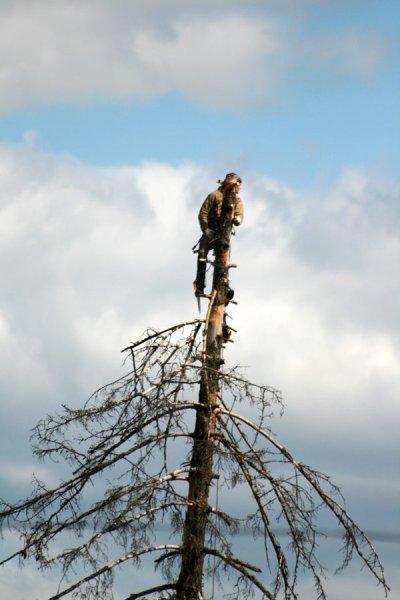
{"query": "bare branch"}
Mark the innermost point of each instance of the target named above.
(109, 567)
(243, 568)
(157, 588)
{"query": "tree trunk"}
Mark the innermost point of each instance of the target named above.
(189, 585)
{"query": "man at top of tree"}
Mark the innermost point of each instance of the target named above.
(209, 214)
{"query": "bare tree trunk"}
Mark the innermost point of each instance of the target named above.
(189, 585)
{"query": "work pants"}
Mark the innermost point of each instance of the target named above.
(205, 245)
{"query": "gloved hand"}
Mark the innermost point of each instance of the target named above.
(236, 221)
(209, 233)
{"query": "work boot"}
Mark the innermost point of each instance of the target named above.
(199, 291)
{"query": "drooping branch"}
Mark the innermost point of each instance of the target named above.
(243, 567)
(111, 566)
(157, 588)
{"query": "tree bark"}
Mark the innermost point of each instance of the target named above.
(189, 585)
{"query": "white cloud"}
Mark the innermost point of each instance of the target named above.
(215, 62)
(79, 52)
(232, 58)
(81, 250)
(317, 291)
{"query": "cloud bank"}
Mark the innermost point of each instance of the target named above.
(88, 253)
(319, 270)
(82, 52)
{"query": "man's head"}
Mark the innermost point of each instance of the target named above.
(232, 179)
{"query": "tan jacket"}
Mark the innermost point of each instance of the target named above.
(211, 210)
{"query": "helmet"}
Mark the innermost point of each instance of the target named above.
(233, 176)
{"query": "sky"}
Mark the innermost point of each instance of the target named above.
(116, 120)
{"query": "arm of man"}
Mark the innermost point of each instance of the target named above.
(238, 212)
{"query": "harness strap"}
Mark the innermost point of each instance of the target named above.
(196, 244)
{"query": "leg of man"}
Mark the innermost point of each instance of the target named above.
(204, 247)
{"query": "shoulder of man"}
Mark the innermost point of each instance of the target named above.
(214, 197)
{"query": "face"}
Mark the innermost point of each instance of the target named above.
(237, 183)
